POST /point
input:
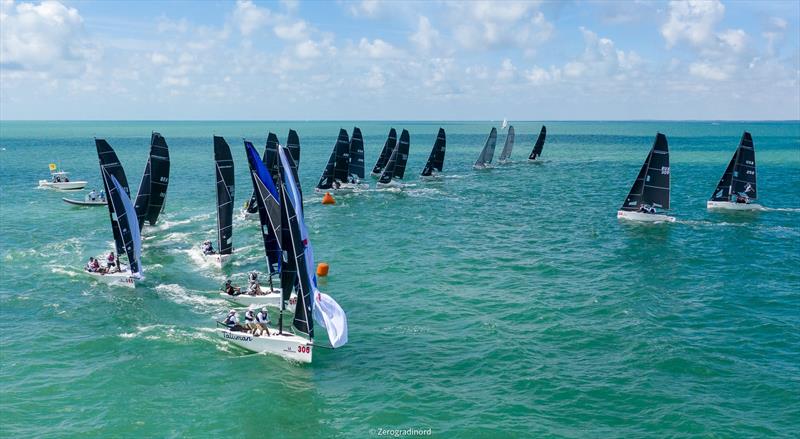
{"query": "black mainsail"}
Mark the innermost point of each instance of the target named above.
(338, 165)
(509, 145)
(386, 152)
(651, 187)
(487, 153)
(126, 222)
(270, 160)
(153, 189)
(356, 169)
(537, 148)
(740, 175)
(396, 165)
(267, 205)
(436, 159)
(110, 166)
(225, 193)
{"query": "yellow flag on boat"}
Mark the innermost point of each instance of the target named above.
(52, 166)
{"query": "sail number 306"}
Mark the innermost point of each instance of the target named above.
(304, 349)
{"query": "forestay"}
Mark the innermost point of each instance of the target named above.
(152, 192)
(436, 159)
(539, 145)
(652, 185)
(224, 171)
(386, 152)
(110, 165)
(509, 145)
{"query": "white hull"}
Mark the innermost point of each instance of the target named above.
(482, 167)
(393, 183)
(344, 188)
(249, 216)
(286, 345)
(644, 217)
(84, 203)
(433, 177)
(727, 205)
(123, 279)
(536, 161)
(64, 186)
(272, 299)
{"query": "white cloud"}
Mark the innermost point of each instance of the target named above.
(298, 30)
(307, 49)
(707, 70)
(377, 48)
(158, 58)
(249, 18)
(375, 78)
(539, 76)
(44, 37)
(365, 8)
(692, 21)
(735, 39)
(426, 36)
(507, 70)
(489, 25)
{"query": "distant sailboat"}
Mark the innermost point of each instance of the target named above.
(487, 153)
(650, 190)
(537, 148)
(736, 189)
(386, 152)
(152, 195)
(124, 224)
(505, 124)
(355, 170)
(396, 165)
(436, 160)
(505, 155)
(336, 176)
(225, 178)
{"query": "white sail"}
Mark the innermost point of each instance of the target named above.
(505, 124)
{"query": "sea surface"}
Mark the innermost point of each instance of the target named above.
(506, 303)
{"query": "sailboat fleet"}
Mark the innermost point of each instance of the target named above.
(277, 203)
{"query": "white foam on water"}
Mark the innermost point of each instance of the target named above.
(201, 301)
(780, 209)
(64, 271)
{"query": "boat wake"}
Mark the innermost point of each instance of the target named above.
(171, 333)
(780, 209)
(198, 300)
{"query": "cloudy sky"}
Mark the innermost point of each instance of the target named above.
(436, 60)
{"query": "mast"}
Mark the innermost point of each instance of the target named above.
(509, 145)
(537, 148)
(386, 152)
(436, 159)
(652, 184)
(110, 165)
(487, 153)
(224, 171)
(356, 169)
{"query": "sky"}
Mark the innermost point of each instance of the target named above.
(395, 60)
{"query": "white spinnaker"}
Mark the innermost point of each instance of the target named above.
(325, 310)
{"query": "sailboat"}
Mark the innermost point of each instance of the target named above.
(487, 153)
(386, 152)
(355, 172)
(650, 190)
(336, 173)
(396, 165)
(538, 146)
(153, 189)
(124, 224)
(505, 124)
(736, 189)
(268, 205)
(505, 155)
(59, 180)
(225, 184)
(270, 161)
(293, 145)
(436, 160)
(297, 275)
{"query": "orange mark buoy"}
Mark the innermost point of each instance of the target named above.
(322, 269)
(328, 199)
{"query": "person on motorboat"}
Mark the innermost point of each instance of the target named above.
(92, 195)
(56, 178)
(208, 248)
(230, 290)
(232, 321)
(262, 319)
(254, 288)
(103, 195)
(111, 263)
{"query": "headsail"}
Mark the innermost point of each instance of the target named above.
(269, 159)
(436, 159)
(744, 172)
(386, 152)
(487, 153)
(323, 308)
(225, 193)
(396, 165)
(537, 148)
(268, 207)
(110, 165)
(126, 222)
(356, 170)
(338, 164)
(652, 185)
(724, 188)
(506, 153)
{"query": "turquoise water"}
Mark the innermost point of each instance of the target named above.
(503, 303)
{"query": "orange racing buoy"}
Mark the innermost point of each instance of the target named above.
(322, 269)
(328, 199)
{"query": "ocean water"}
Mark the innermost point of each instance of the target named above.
(504, 303)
